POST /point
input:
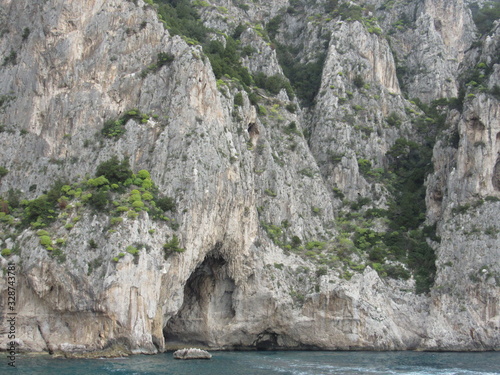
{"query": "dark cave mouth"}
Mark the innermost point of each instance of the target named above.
(266, 341)
(207, 294)
(208, 307)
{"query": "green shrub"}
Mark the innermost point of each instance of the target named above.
(274, 232)
(364, 166)
(98, 181)
(296, 241)
(331, 5)
(147, 196)
(491, 198)
(10, 59)
(45, 241)
(131, 215)
(292, 128)
(113, 128)
(291, 107)
(14, 197)
(166, 204)
(173, 246)
(321, 271)
(6, 252)
(61, 241)
(461, 209)
(143, 174)
(349, 12)
(39, 210)
(377, 254)
(394, 120)
(316, 210)
(147, 184)
(182, 18)
(261, 110)
(164, 58)
(254, 98)
(3, 171)
(238, 99)
(138, 204)
(270, 193)
(26, 33)
(99, 200)
(226, 61)
(273, 26)
(132, 250)
(238, 31)
(116, 220)
(358, 81)
(134, 197)
(397, 271)
(114, 170)
(315, 245)
(274, 84)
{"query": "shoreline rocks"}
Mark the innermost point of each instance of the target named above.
(192, 353)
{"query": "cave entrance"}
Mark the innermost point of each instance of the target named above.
(207, 306)
(267, 340)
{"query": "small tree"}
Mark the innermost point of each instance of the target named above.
(3, 171)
(99, 200)
(394, 119)
(238, 99)
(358, 81)
(172, 246)
(114, 170)
(166, 204)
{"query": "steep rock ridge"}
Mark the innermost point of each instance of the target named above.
(348, 120)
(266, 62)
(77, 78)
(430, 39)
(248, 186)
(463, 196)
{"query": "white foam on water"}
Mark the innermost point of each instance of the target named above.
(297, 367)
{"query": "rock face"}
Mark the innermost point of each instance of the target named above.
(192, 353)
(273, 201)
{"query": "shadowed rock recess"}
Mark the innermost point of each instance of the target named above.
(250, 175)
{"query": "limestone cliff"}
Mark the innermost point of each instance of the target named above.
(312, 204)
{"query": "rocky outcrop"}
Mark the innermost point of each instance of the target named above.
(192, 353)
(265, 194)
(430, 39)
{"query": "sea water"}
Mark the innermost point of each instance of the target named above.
(267, 363)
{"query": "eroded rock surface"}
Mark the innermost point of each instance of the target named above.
(248, 186)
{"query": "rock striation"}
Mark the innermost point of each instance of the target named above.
(283, 202)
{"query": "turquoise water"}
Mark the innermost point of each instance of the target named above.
(268, 363)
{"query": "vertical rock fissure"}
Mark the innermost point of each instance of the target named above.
(496, 175)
